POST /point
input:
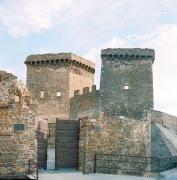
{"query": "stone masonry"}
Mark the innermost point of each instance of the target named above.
(117, 118)
(126, 85)
(86, 103)
(52, 79)
(107, 135)
(18, 142)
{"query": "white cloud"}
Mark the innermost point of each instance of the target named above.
(164, 41)
(165, 67)
(24, 17)
(114, 42)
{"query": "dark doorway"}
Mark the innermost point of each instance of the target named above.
(66, 144)
(41, 134)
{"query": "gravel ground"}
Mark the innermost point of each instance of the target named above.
(75, 175)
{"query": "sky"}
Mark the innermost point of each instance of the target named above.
(84, 27)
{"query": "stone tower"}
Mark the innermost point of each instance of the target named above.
(126, 82)
(52, 80)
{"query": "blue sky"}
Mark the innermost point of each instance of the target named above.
(84, 27)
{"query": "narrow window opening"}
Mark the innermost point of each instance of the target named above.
(42, 94)
(126, 87)
(58, 94)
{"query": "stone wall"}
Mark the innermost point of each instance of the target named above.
(49, 79)
(165, 119)
(78, 79)
(86, 104)
(126, 86)
(18, 142)
(115, 136)
(56, 76)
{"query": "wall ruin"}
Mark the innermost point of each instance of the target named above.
(18, 142)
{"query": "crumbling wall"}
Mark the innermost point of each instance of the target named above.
(106, 135)
(86, 104)
(17, 127)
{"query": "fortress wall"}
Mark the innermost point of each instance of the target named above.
(57, 76)
(113, 136)
(78, 79)
(86, 103)
(126, 85)
(50, 79)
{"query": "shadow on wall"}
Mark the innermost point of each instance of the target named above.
(41, 134)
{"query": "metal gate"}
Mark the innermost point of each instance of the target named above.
(66, 144)
(41, 134)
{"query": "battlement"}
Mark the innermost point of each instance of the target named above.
(61, 58)
(86, 103)
(86, 91)
(128, 54)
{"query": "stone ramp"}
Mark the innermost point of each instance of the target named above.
(72, 174)
(31, 177)
(169, 175)
(170, 138)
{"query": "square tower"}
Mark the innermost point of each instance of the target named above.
(127, 82)
(52, 80)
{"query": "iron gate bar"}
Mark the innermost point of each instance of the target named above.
(25, 173)
(102, 154)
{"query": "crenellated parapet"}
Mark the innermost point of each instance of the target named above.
(61, 59)
(86, 103)
(86, 91)
(127, 54)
